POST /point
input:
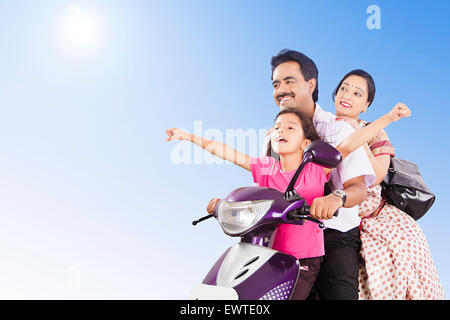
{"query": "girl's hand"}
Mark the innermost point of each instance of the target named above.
(212, 205)
(177, 134)
(399, 111)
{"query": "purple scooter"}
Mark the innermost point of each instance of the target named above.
(250, 270)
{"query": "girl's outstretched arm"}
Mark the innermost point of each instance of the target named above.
(216, 148)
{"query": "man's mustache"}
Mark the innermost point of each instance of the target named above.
(281, 96)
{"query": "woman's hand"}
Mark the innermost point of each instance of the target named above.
(177, 134)
(399, 111)
(212, 205)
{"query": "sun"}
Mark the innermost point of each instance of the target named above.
(81, 28)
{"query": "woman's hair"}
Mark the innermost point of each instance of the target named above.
(307, 67)
(362, 74)
(308, 127)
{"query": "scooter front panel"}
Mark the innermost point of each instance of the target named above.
(275, 280)
(211, 277)
(257, 272)
(241, 261)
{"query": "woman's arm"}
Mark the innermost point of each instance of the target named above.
(364, 135)
(380, 164)
(361, 136)
(218, 149)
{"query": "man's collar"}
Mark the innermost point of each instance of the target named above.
(320, 115)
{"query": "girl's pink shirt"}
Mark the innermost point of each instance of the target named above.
(300, 241)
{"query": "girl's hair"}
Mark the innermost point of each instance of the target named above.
(308, 127)
(362, 74)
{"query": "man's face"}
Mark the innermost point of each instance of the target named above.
(290, 90)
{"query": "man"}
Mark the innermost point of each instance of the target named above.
(295, 85)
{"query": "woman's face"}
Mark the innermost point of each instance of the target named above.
(351, 97)
(288, 134)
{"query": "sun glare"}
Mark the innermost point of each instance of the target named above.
(81, 29)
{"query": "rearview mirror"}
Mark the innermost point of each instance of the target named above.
(323, 154)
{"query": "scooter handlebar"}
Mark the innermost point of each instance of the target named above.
(301, 213)
(195, 222)
(306, 210)
(304, 213)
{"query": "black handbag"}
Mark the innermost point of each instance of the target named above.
(404, 187)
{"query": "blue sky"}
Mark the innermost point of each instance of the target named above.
(91, 203)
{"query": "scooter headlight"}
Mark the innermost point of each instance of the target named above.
(236, 217)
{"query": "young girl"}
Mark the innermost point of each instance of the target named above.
(293, 132)
(398, 263)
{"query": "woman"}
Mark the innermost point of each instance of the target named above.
(397, 261)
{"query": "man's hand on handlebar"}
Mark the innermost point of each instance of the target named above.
(325, 207)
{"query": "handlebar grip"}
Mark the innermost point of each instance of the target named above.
(306, 210)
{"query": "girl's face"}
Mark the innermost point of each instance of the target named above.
(288, 135)
(351, 98)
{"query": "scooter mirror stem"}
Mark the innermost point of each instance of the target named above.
(290, 194)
